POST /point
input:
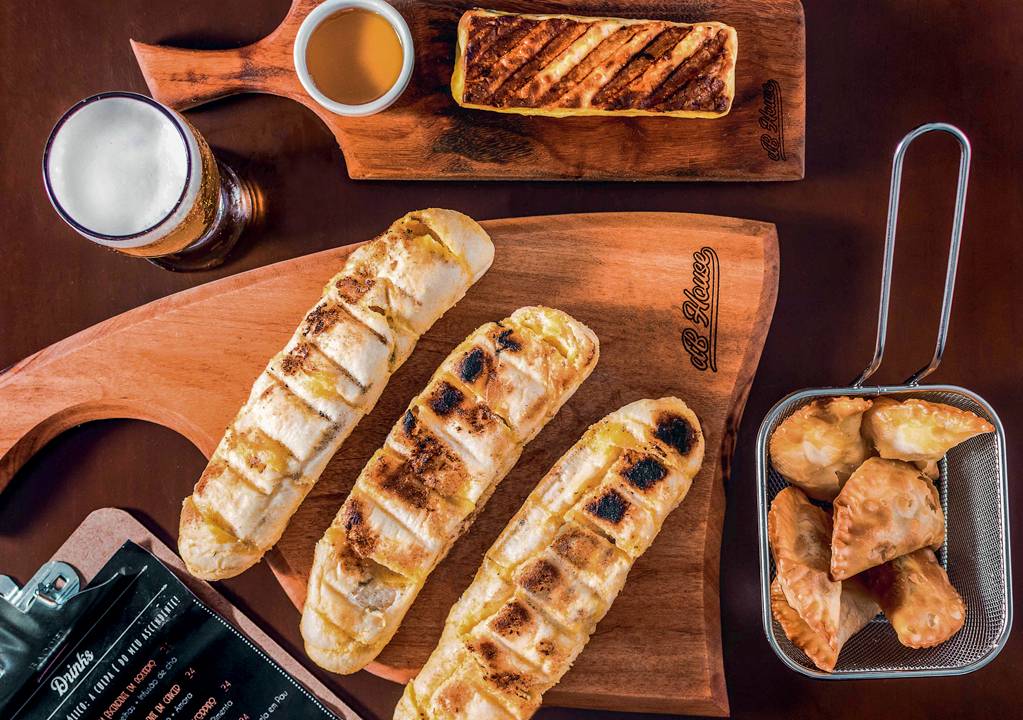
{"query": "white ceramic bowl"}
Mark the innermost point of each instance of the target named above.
(401, 29)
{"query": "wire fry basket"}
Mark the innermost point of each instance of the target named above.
(973, 487)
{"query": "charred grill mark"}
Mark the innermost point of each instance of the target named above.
(560, 39)
(321, 318)
(505, 341)
(650, 81)
(645, 474)
(700, 93)
(676, 432)
(484, 34)
(486, 650)
(540, 578)
(430, 461)
(478, 417)
(610, 506)
(472, 365)
(353, 515)
(295, 360)
(362, 539)
(545, 648)
(672, 92)
(479, 75)
(353, 287)
(480, 35)
(510, 682)
(445, 399)
(395, 478)
(325, 316)
(612, 94)
(575, 546)
(504, 55)
(574, 77)
(513, 56)
(512, 620)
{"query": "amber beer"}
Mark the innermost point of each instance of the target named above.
(133, 175)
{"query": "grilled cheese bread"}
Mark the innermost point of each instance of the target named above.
(437, 468)
(561, 65)
(329, 375)
(558, 565)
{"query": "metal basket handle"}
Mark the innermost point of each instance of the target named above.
(889, 251)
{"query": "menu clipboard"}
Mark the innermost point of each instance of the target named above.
(156, 655)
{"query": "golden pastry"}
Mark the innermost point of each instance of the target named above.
(885, 510)
(800, 537)
(919, 431)
(819, 445)
(918, 599)
(858, 608)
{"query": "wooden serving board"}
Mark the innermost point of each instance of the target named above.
(681, 304)
(425, 135)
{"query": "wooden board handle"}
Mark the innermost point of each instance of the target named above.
(185, 78)
(53, 391)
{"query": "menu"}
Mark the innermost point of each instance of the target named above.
(155, 652)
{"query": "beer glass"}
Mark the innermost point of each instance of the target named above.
(131, 174)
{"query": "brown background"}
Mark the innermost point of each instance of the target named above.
(874, 71)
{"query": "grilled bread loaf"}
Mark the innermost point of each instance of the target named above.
(558, 565)
(558, 65)
(438, 467)
(330, 374)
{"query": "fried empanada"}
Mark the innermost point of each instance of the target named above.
(819, 445)
(918, 599)
(886, 509)
(919, 431)
(800, 535)
(858, 608)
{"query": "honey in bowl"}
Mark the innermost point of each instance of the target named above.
(354, 56)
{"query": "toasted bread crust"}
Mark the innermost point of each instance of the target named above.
(556, 568)
(437, 469)
(313, 393)
(560, 65)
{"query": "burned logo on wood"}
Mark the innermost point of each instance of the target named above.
(772, 122)
(700, 310)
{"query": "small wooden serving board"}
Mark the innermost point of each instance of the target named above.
(681, 304)
(426, 135)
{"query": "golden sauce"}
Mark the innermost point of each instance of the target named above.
(354, 56)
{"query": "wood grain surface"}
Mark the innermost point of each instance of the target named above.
(643, 281)
(874, 70)
(425, 135)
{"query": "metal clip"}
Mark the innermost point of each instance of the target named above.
(53, 584)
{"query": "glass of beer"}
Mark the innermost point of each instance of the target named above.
(133, 175)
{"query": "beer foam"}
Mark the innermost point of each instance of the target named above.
(118, 166)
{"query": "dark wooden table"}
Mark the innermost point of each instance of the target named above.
(875, 71)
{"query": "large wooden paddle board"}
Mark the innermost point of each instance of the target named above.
(681, 304)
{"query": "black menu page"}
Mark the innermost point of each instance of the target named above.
(155, 652)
